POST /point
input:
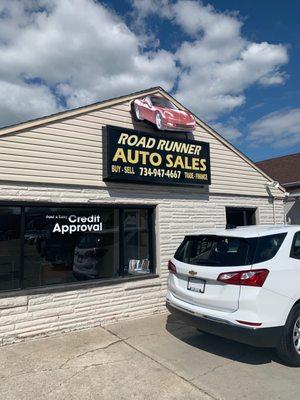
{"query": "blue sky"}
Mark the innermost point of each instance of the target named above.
(233, 63)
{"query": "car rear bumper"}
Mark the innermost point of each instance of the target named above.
(258, 337)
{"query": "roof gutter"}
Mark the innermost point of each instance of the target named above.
(288, 184)
(293, 195)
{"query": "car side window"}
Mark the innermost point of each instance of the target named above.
(295, 250)
(267, 247)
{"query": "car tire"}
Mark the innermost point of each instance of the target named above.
(159, 121)
(288, 349)
(136, 112)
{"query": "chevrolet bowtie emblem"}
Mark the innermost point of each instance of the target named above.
(193, 273)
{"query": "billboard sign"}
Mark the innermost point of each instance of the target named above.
(133, 156)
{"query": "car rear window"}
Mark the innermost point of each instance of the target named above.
(215, 251)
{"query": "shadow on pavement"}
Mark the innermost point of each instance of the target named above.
(220, 346)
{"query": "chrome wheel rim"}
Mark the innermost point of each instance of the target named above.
(158, 121)
(296, 335)
(137, 112)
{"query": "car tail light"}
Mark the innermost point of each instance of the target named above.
(253, 277)
(171, 267)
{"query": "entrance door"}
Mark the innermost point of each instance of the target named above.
(240, 216)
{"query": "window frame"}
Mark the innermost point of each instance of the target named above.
(20, 266)
(244, 210)
(93, 282)
(292, 246)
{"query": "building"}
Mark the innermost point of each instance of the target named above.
(286, 171)
(94, 201)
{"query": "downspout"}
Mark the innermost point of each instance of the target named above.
(274, 211)
(268, 186)
(290, 197)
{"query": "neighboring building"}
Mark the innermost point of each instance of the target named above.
(286, 171)
(94, 201)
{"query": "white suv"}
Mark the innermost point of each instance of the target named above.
(242, 284)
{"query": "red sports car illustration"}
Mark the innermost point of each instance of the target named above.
(163, 113)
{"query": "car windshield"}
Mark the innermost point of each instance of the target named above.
(215, 251)
(161, 102)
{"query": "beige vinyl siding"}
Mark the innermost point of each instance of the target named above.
(69, 151)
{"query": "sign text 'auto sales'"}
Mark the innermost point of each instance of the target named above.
(137, 157)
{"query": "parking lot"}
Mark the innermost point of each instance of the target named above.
(150, 358)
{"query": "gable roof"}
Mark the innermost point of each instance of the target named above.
(116, 100)
(285, 169)
(75, 111)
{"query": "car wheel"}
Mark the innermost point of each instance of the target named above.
(137, 113)
(159, 121)
(289, 346)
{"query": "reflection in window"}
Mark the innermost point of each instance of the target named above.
(214, 251)
(295, 251)
(10, 225)
(136, 242)
(268, 247)
(68, 244)
(56, 245)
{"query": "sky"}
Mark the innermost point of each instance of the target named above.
(233, 63)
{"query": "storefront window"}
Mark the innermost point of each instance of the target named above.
(10, 228)
(136, 242)
(48, 245)
(68, 244)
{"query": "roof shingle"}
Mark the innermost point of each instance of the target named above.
(284, 169)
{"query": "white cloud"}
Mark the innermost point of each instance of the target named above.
(143, 8)
(217, 64)
(277, 78)
(220, 64)
(278, 129)
(82, 52)
(229, 132)
(196, 18)
(76, 47)
(22, 102)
